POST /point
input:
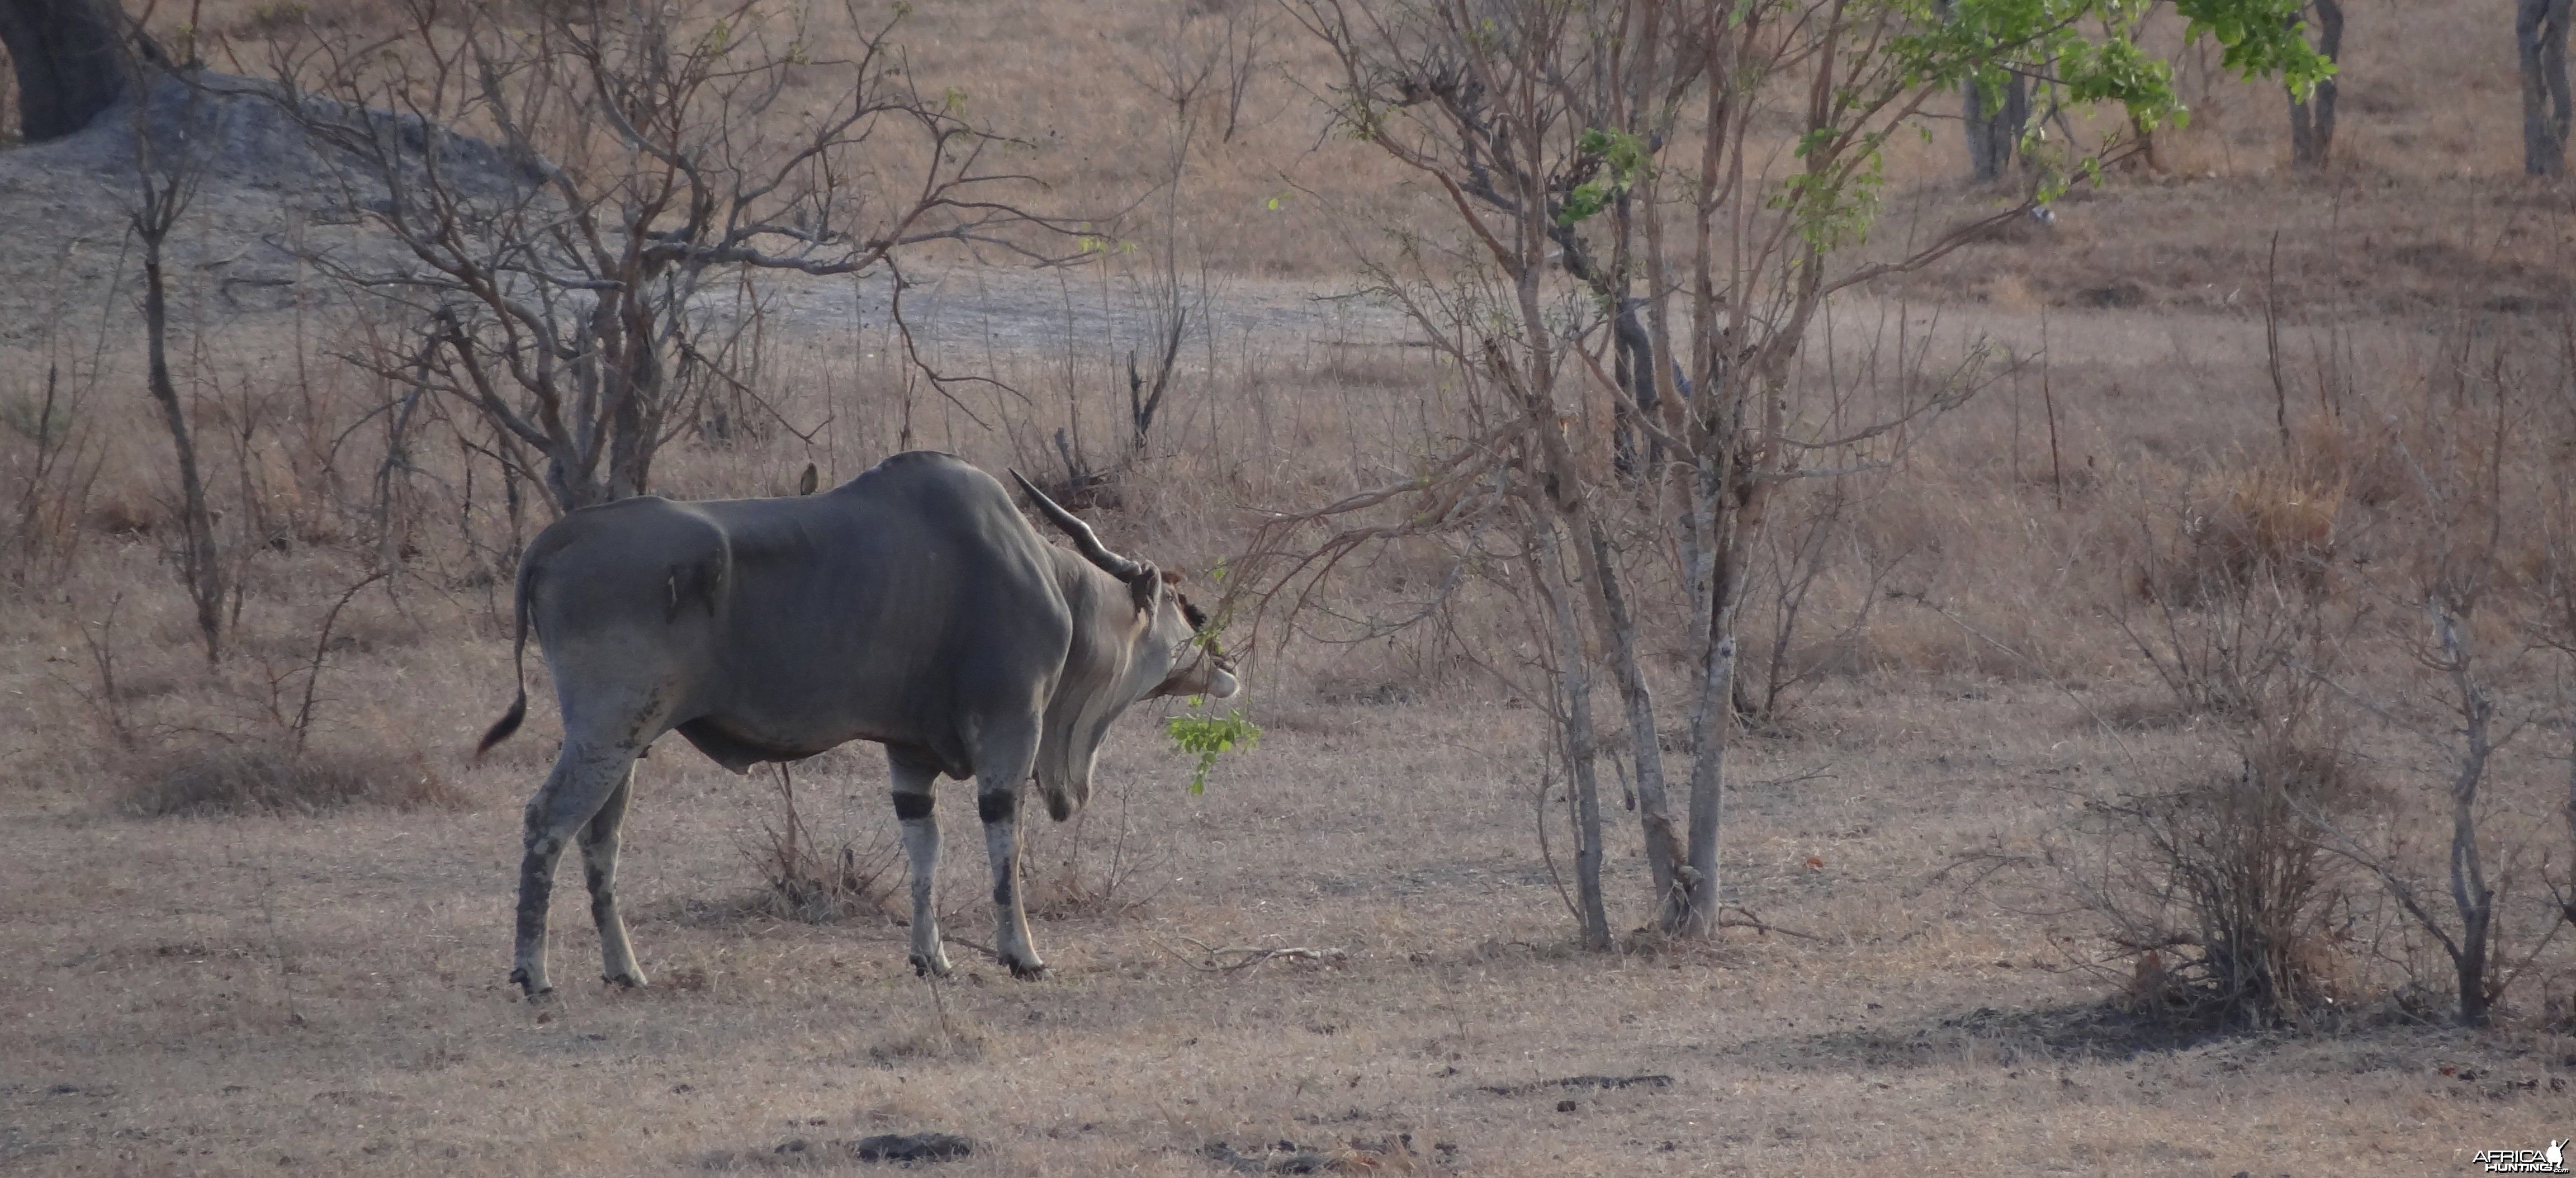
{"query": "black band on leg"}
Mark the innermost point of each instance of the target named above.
(912, 806)
(997, 805)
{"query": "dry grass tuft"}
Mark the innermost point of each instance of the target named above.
(2240, 524)
(818, 885)
(815, 882)
(264, 779)
(944, 1042)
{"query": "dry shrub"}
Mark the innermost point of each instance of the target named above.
(1118, 878)
(814, 883)
(267, 779)
(2364, 458)
(2220, 884)
(819, 886)
(2263, 520)
(2234, 905)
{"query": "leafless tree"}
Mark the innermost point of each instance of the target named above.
(1550, 130)
(166, 175)
(585, 273)
(1208, 56)
(2468, 931)
(2461, 569)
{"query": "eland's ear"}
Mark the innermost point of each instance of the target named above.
(1171, 576)
(1146, 586)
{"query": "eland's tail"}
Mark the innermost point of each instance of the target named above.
(508, 724)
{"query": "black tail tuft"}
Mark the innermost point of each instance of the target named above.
(505, 727)
(518, 656)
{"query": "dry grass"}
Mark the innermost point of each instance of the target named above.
(264, 779)
(329, 992)
(289, 984)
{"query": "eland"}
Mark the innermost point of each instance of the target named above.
(912, 606)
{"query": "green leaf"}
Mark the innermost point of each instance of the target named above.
(1209, 737)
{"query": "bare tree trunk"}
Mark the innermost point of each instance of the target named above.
(1994, 136)
(1633, 368)
(164, 200)
(70, 63)
(2312, 122)
(2540, 33)
(1574, 686)
(1691, 906)
(2470, 892)
(1619, 630)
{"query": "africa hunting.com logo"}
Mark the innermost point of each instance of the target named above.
(2552, 1160)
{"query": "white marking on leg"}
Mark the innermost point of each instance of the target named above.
(1010, 918)
(921, 848)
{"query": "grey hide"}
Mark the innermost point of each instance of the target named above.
(912, 606)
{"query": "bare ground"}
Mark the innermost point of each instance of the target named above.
(326, 996)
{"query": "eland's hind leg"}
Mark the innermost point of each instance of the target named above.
(583, 780)
(599, 862)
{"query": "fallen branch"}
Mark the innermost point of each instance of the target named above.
(1289, 1158)
(1597, 1083)
(1244, 958)
(1755, 922)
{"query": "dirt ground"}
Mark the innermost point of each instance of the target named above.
(325, 996)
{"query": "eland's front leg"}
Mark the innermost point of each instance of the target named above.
(1000, 810)
(1003, 768)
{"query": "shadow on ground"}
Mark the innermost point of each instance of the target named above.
(2080, 1033)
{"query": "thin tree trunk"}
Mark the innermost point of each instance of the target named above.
(2470, 892)
(198, 561)
(1574, 687)
(2472, 967)
(1709, 711)
(2312, 122)
(1619, 633)
(1698, 893)
(2540, 33)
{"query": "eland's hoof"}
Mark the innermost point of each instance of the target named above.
(929, 967)
(1027, 971)
(529, 988)
(632, 979)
